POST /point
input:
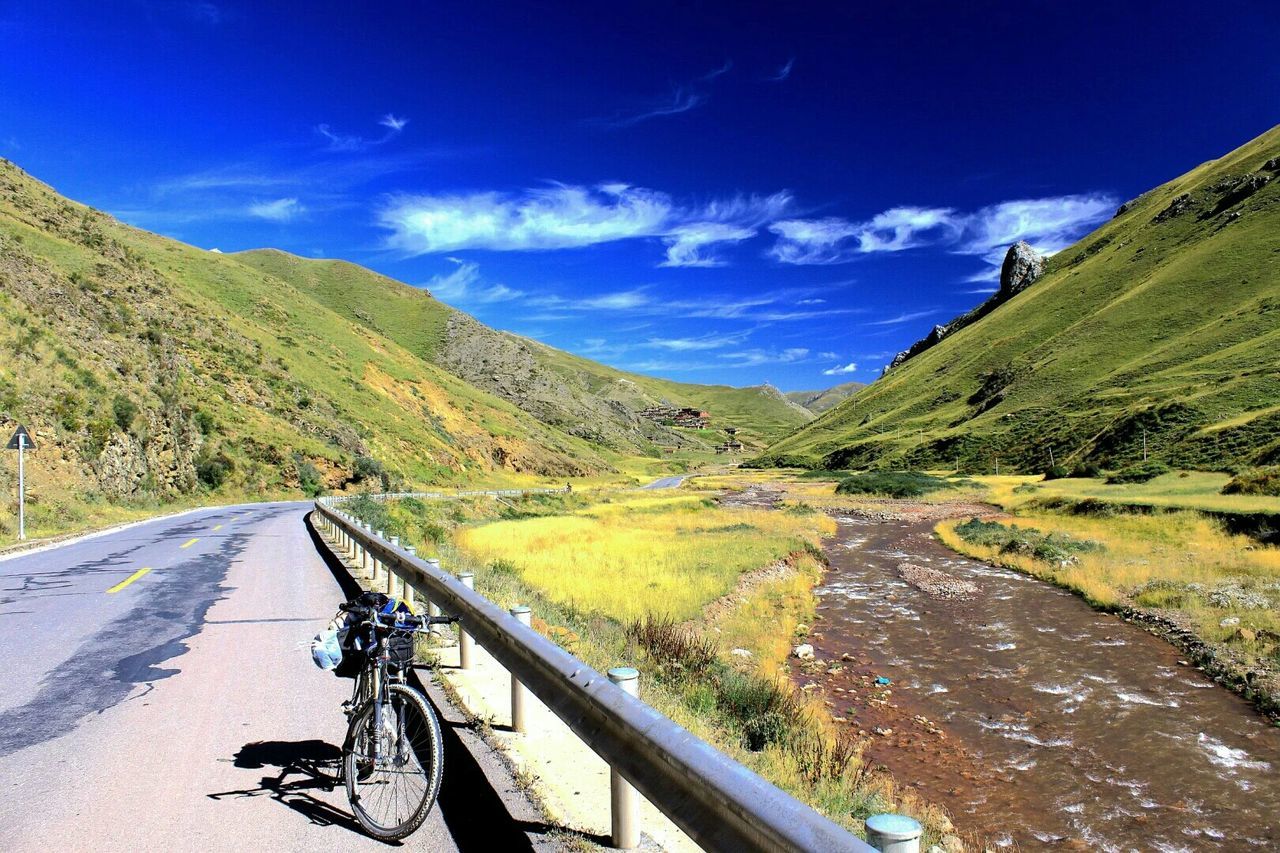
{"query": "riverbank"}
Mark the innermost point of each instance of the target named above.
(1212, 594)
(1020, 708)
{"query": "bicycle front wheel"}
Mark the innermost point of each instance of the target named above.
(393, 772)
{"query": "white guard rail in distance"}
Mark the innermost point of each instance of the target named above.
(497, 493)
(718, 802)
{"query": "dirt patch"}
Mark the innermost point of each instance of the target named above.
(748, 584)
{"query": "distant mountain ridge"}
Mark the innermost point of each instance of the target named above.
(827, 398)
(579, 396)
(1162, 326)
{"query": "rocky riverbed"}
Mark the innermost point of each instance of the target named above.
(1028, 714)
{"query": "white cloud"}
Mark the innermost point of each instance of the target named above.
(354, 142)
(464, 284)
(902, 318)
(834, 240)
(279, 210)
(680, 99)
(811, 302)
(829, 355)
(756, 357)
(395, 123)
(1049, 224)
(686, 244)
(567, 216)
(783, 72)
(699, 343)
(851, 367)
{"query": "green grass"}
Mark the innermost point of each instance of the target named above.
(1197, 490)
(892, 484)
(562, 389)
(1166, 330)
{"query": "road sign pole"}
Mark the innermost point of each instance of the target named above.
(22, 489)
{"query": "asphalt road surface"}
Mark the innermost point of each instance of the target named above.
(158, 693)
(665, 483)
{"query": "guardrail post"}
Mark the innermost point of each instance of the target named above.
(374, 576)
(365, 557)
(405, 588)
(464, 639)
(623, 799)
(391, 575)
(518, 692)
(432, 608)
(894, 833)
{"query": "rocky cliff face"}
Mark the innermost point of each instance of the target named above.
(1022, 267)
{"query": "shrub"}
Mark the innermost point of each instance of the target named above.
(1054, 548)
(212, 469)
(204, 422)
(124, 411)
(766, 712)
(1056, 472)
(1084, 470)
(677, 650)
(894, 484)
(1255, 481)
(368, 468)
(308, 476)
(1140, 472)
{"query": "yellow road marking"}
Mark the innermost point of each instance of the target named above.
(133, 577)
(217, 527)
(189, 542)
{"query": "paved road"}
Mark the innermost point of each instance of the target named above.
(666, 483)
(159, 693)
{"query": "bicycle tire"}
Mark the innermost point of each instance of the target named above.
(364, 781)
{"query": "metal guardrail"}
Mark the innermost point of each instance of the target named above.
(499, 493)
(718, 802)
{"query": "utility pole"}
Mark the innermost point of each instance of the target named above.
(1144, 444)
(1052, 464)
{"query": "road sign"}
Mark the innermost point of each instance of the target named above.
(21, 440)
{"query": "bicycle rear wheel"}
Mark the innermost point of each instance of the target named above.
(393, 775)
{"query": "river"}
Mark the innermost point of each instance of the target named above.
(1032, 717)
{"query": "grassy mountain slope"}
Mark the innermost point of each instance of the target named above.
(147, 367)
(574, 394)
(826, 399)
(1164, 322)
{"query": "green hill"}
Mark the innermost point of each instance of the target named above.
(1164, 323)
(152, 369)
(826, 399)
(573, 394)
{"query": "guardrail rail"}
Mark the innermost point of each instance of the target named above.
(718, 802)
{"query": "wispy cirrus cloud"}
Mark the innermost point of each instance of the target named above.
(680, 98)
(834, 240)
(784, 71)
(687, 245)
(563, 216)
(699, 343)
(757, 357)
(278, 210)
(464, 285)
(841, 369)
(906, 317)
(1049, 224)
(347, 142)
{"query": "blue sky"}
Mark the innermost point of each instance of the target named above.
(736, 192)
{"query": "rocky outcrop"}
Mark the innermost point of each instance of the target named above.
(1022, 267)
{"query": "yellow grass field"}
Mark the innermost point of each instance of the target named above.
(1171, 549)
(661, 554)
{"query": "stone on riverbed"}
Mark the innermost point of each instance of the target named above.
(804, 651)
(937, 584)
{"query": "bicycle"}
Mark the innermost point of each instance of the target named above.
(392, 759)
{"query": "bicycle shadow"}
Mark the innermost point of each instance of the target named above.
(304, 766)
